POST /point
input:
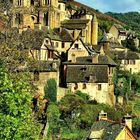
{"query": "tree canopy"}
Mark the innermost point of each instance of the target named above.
(16, 118)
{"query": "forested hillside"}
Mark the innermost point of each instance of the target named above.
(132, 19)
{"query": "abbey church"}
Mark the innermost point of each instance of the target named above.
(54, 14)
(28, 13)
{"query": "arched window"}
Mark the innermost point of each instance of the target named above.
(32, 2)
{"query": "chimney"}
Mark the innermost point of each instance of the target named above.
(102, 115)
(95, 59)
(94, 31)
(127, 120)
(73, 58)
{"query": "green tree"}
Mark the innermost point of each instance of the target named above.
(129, 43)
(51, 90)
(16, 118)
(53, 118)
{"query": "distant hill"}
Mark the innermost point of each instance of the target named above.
(132, 19)
(99, 14)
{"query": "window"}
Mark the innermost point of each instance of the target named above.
(76, 86)
(32, 2)
(63, 45)
(84, 86)
(56, 44)
(36, 76)
(126, 62)
(46, 19)
(99, 87)
(76, 46)
(110, 70)
(52, 44)
(48, 2)
(132, 62)
(50, 54)
(18, 18)
(59, 6)
(19, 3)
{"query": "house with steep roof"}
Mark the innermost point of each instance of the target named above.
(79, 49)
(91, 75)
(105, 129)
(118, 32)
(56, 42)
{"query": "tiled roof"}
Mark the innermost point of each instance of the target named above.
(82, 73)
(75, 24)
(110, 130)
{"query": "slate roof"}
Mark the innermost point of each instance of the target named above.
(116, 45)
(63, 34)
(102, 60)
(126, 55)
(42, 66)
(75, 24)
(82, 73)
(110, 130)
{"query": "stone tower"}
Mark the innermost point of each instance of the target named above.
(94, 31)
(28, 13)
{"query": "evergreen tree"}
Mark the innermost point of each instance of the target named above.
(51, 90)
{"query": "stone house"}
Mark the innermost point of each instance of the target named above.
(129, 61)
(118, 32)
(91, 75)
(78, 49)
(105, 129)
(42, 71)
(56, 43)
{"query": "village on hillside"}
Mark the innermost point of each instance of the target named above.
(83, 71)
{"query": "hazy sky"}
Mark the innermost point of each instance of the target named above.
(113, 5)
